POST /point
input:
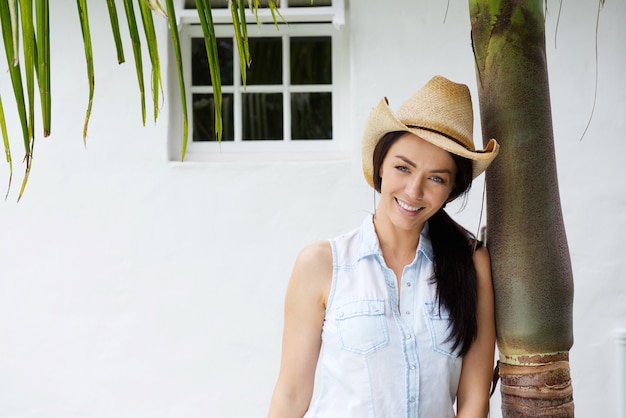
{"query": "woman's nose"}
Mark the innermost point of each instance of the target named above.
(416, 188)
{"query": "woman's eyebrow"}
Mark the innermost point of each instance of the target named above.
(442, 171)
(406, 160)
(412, 164)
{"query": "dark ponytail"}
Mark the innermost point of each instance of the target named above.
(455, 277)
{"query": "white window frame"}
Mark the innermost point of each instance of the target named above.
(269, 150)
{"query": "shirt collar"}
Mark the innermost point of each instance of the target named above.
(369, 244)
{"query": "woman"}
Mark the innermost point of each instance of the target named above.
(399, 312)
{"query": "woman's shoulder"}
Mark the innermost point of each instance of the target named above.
(319, 256)
(482, 264)
(315, 259)
(481, 255)
(315, 256)
(313, 270)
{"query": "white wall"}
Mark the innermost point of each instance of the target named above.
(131, 286)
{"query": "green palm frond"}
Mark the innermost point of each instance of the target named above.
(84, 26)
(41, 53)
(7, 147)
(28, 41)
(9, 35)
(136, 43)
(171, 13)
(29, 68)
(115, 27)
(210, 41)
(153, 52)
(238, 13)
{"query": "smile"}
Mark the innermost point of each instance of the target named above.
(407, 207)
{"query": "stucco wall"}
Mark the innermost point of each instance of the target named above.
(131, 286)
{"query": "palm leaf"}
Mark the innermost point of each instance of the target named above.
(116, 31)
(35, 31)
(238, 13)
(16, 81)
(275, 12)
(7, 147)
(157, 6)
(150, 33)
(210, 42)
(84, 26)
(42, 58)
(28, 35)
(136, 42)
(179, 65)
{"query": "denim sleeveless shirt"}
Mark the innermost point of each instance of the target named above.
(384, 350)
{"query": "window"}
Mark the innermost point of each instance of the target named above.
(290, 107)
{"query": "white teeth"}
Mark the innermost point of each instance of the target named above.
(407, 207)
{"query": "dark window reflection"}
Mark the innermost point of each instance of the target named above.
(311, 60)
(311, 116)
(204, 117)
(223, 4)
(262, 116)
(267, 58)
(200, 75)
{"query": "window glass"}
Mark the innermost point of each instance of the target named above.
(200, 75)
(262, 116)
(204, 117)
(267, 54)
(311, 116)
(223, 4)
(311, 61)
(307, 3)
(289, 105)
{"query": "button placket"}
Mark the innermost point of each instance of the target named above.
(407, 301)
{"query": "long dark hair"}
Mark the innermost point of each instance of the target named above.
(453, 247)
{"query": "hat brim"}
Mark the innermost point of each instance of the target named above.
(382, 120)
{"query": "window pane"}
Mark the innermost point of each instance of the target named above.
(200, 75)
(204, 118)
(215, 4)
(311, 116)
(222, 4)
(267, 58)
(311, 60)
(262, 116)
(307, 3)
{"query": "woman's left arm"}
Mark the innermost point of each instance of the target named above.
(477, 370)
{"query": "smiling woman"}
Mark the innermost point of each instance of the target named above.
(402, 306)
(417, 178)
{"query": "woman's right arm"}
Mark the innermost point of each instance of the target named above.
(305, 304)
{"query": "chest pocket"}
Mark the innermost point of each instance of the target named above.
(361, 326)
(440, 326)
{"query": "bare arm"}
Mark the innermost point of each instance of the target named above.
(476, 374)
(305, 304)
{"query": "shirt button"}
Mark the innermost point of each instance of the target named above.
(408, 337)
(408, 312)
(412, 399)
(412, 367)
(408, 284)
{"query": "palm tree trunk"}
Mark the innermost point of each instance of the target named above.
(526, 237)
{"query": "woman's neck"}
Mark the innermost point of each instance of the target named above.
(394, 241)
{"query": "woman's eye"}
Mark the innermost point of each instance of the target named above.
(438, 179)
(402, 168)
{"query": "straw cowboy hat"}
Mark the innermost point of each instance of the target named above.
(440, 113)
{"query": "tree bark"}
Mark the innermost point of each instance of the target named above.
(526, 238)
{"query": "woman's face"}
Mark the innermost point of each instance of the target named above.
(417, 178)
